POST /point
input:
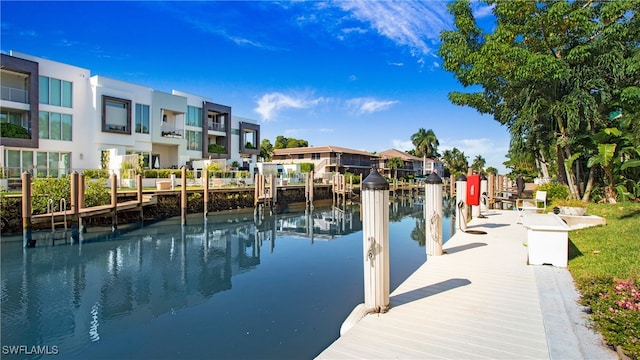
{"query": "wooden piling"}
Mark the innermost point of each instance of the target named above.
(183, 196)
(81, 190)
(26, 211)
(114, 202)
(205, 177)
(139, 195)
(461, 202)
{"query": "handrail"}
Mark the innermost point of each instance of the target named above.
(63, 208)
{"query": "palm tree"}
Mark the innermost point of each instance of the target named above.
(394, 164)
(478, 164)
(426, 144)
(455, 161)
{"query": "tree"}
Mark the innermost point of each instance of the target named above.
(455, 161)
(491, 170)
(285, 142)
(426, 144)
(551, 72)
(266, 150)
(395, 163)
(478, 164)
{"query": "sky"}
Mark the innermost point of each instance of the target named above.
(364, 75)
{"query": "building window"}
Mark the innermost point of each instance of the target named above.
(142, 119)
(116, 115)
(15, 118)
(315, 156)
(194, 116)
(55, 126)
(56, 92)
(46, 163)
(194, 140)
(300, 156)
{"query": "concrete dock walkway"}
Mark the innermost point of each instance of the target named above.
(478, 301)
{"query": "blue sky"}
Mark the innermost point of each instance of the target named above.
(359, 74)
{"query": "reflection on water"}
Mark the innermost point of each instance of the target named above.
(165, 291)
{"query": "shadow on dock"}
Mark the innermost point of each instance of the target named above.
(426, 291)
(456, 249)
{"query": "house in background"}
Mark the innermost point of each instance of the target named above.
(412, 165)
(328, 159)
(56, 118)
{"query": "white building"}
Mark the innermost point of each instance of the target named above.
(56, 118)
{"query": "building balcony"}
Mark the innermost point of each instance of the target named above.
(14, 94)
(172, 132)
(215, 126)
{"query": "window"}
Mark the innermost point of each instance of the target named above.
(194, 116)
(116, 115)
(55, 126)
(300, 156)
(46, 163)
(56, 92)
(15, 118)
(315, 156)
(194, 140)
(142, 119)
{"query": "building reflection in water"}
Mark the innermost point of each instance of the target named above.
(73, 295)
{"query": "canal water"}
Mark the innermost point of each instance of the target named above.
(229, 288)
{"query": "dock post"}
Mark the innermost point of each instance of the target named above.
(114, 202)
(205, 177)
(433, 214)
(375, 242)
(27, 240)
(491, 189)
(461, 202)
(139, 193)
(452, 186)
(81, 203)
(183, 196)
(311, 187)
(484, 196)
(75, 196)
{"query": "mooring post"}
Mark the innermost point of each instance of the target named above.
(491, 189)
(461, 202)
(114, 202)
(75, 199)
(484, 196)
(312, 187)
(375, 241)
(26, 211)
(452, 186)
(433, 214)
(183, 196)
(205, 177)
(81, 204)
(139, 193)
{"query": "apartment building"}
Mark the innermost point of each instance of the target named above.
(412, 165)
(56, 118)
(328, 159)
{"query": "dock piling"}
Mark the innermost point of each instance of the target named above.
(433, 214)
(375, 239)
(461, 202)
(27, 241)
(183, 196)
(205, 177)
(114, 202)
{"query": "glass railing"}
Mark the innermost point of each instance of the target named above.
(14, 94)
(216, 126)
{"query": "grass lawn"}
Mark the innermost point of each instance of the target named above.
(605, 264)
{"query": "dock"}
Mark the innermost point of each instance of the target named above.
(480, 300)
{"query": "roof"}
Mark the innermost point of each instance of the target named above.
(392, 153)
(320, 149)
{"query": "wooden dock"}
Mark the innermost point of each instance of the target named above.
(478, 301)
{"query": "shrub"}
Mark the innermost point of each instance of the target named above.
(96, 193)
(164, 173)
(555, 191)
(306, 167)
(216, 149)
(55, 189)
(96, 173)
(616, 310)
(150, 174)
(348, 176)
(14, 131)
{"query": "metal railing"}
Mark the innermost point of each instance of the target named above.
(215, 126)
(172, 132)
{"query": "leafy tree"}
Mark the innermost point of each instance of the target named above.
(266, 150)
(491, 170)
(426, 144)
(395, 163)
(285, 142)
(10, 130)
(478, 164)
(455, 161)
(551, 71)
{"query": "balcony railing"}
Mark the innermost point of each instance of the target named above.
(216, 126)
(14, 94)
(172, 132)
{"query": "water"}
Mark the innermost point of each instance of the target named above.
(230, 288)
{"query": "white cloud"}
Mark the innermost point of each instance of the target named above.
(368, 105)
(398, 64)
(325, 130)
(481, 10)
(270, 104)
(402, 145)
(407, 23)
